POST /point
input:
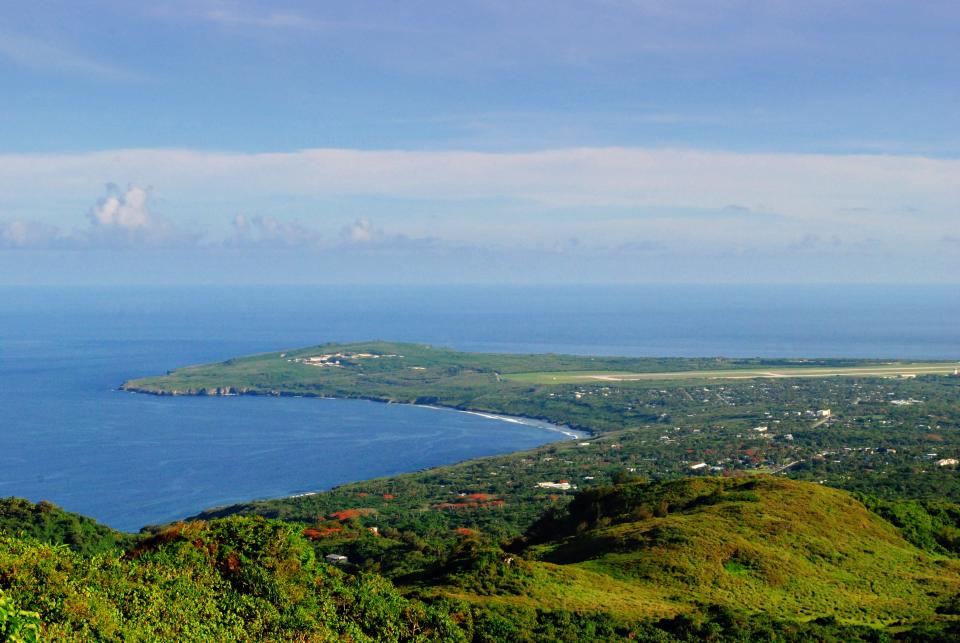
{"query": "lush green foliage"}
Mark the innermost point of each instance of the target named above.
(48, 523)
(482, 551)
(761, 544)
(689, 560)
(928, 524)
(17, 625)
(238, 578)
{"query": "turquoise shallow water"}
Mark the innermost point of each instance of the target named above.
(67, 435)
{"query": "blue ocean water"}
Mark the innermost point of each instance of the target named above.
(67, 435)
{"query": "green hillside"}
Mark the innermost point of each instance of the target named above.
(762, 544)
(758, 545)
(48, 523)
(754, 558)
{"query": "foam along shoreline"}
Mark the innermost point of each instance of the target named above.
(571, 434)
(514, 419)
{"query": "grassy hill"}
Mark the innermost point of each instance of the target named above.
(759, 545)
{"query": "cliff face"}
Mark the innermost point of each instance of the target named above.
(213, 391)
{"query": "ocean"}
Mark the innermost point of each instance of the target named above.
(69, 436)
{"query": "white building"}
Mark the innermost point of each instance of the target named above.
(563, 486)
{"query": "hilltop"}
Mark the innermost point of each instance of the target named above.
(759, 544)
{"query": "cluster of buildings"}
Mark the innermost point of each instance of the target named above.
(335, 359)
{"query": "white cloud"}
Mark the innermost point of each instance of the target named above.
(261, 230)
(41, 54)
(123, 218)
(360, 231)
(27, 234)
(120, 219)
(602, 196)
(795, 185)
(260, 19)
(125, 211)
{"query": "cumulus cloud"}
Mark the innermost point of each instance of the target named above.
(268, 231)
(796, 186)
(361, 231)
(682, 203)
(28, 234)
(127, 210)
(124, 218)
(362, 234)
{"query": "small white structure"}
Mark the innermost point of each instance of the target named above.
(824, 413)
(563, 486)
(948, 462)
(760, 429)
(336, 559)
(907, 402)
(698, 466)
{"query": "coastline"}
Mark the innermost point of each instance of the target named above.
(568, 432)
(572, 433)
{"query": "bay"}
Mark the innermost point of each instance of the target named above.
(68, 436)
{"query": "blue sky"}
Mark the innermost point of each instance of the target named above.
(423, 142)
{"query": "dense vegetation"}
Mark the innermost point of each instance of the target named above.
(48, 523)
(689, 560)
(762, 544)
(239, 578)
(620, 536)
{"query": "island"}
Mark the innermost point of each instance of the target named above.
(556, 388)
(885, 427)
(710, 499)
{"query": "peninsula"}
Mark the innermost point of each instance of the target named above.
(884, 427)
(716, 499)
(530, 385)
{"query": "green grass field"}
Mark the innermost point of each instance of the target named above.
(894, 369)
